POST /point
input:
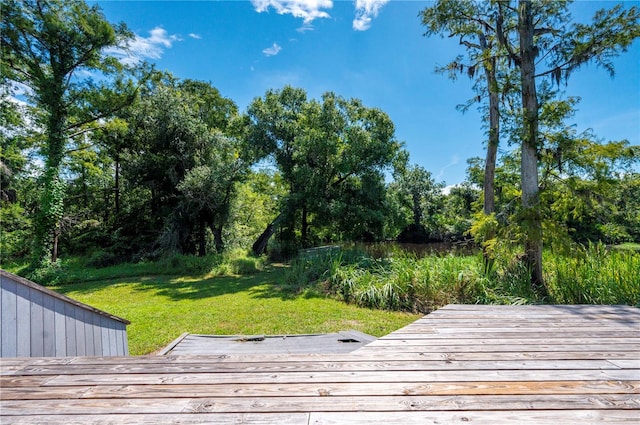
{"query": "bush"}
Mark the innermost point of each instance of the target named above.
(614, 233)
(103, 259)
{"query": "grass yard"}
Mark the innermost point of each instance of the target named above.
(163, 307)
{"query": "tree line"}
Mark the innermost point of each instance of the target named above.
(124, 162)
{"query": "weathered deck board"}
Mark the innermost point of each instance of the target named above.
(479, 364)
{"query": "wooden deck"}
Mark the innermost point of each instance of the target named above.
(461, 364)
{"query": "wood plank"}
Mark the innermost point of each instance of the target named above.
(60, 327)
(359, 355)
(97, 335)
(414, 403)
(348, 376)
(23, 381)
(549, 417)
(320, 403)
(506, 347)
(627, 364)
(333, 389)
(316, 366)
(635, 342)
(94, 406)
(522, 334)
(498, 328)
(352, 389)
(155, 419)
(540, 307)
(552, 417)
(70, 329)
(104, 334)
(513, 324)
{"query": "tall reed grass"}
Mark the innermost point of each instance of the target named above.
(596, 276)
(406, 282)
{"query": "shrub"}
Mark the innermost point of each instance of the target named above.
(103, 259)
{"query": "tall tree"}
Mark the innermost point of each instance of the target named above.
(45, 43)
(419, 193)
(540, 40)
(473, 23)
(320, 147)
(184, 152)
(544, 43)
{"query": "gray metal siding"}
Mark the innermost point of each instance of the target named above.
(38, 323)
(9, 317)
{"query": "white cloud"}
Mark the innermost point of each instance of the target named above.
(366, 10)
(196, 36)
(140, 48)
(455, 159)
(308, 10)
(273, 50)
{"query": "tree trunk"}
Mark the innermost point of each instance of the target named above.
(417, 210)
(529, 167)
(492, 148)
(217, 237)
(260, 245)
(202, 239)
(54, 249)
(116, 188)
(304, 229)
(52, 197)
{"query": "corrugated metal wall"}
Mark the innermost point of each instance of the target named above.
(37, 322)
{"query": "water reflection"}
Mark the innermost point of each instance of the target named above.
(387, 249)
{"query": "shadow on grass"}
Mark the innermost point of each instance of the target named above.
(266, 284)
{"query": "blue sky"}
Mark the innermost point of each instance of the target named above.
(368, 49)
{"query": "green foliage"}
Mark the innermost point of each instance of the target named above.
(596, 275)
(483, 226)
(256, 205)
(44, 46)
(400, 282)
(418, 193)
(104, 265)
(542, 42)
(101, 259)
(331, 154)
(15, 236)
(191, 168)
(406, 282)
(175, 172)
(627, 247)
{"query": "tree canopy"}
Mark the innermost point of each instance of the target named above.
(121, 163)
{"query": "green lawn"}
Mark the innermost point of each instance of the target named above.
(163, 307)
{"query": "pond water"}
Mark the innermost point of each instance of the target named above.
(385, 249)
